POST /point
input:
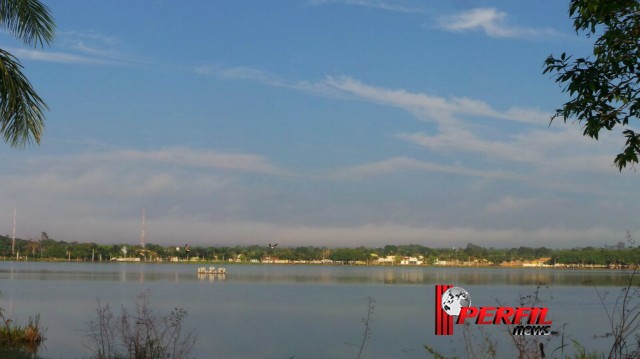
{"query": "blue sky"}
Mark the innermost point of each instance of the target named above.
(312, 122)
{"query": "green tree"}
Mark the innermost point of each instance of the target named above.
(33, 248)
(21, 109)
(604, 88)
(346, 255)
(475, 251)
(390, 250)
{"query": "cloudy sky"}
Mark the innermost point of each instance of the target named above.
(312, 122)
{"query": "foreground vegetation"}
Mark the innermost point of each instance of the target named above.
(617, 256)
(141, 334)
(20, 340)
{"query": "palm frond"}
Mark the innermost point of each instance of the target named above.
(28, 20)
(21, 109)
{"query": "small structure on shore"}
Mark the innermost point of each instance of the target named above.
(212, 270)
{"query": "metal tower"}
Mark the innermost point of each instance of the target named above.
(13, 237)
(142, 233)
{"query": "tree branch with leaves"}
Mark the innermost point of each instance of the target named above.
(604, 88)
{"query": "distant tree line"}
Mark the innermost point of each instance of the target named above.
(49, 249)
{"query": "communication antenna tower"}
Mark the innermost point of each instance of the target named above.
(13, 236)
(142, 233)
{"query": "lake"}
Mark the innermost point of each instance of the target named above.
(300, 311)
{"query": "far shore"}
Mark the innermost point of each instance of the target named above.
(194, 261)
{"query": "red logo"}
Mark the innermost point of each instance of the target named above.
(444, 322)
(455, 301)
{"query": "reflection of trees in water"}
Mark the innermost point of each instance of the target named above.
(429, 275)
(519, 276)
(325, 274)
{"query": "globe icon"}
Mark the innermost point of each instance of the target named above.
(454, 299)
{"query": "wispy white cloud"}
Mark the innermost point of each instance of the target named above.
(426, 107)
(199, 195)
(513, 149)
(203, 159)
(464, 125)
(108, 181)
(388, 5)
(82, 48)
(493, 22)
(77, 216)
(98, 46)
(123, 173)
(58, 57)
(465, 142)
(401, 164)
(244, 73)
(101, 187)
(552, 151)
(511, 204)
(98, 40)
(180, 157)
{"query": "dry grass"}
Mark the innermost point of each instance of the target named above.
(26, 338)
(142, 334)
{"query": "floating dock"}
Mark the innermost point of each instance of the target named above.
(212, 270)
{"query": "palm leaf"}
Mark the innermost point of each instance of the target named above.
(21, 109)
(28, 20)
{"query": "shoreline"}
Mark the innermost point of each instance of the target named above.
(329, 264)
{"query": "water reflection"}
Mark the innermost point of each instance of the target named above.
(311, 274)
(211, 277)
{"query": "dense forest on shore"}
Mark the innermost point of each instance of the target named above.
(50, 249)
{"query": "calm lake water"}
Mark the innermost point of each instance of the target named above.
(301, 311)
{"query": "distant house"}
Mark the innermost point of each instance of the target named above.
(411, 261)
(445, 262)
(540, 262)
(281, 261)
(386, 260)
(274, 260)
